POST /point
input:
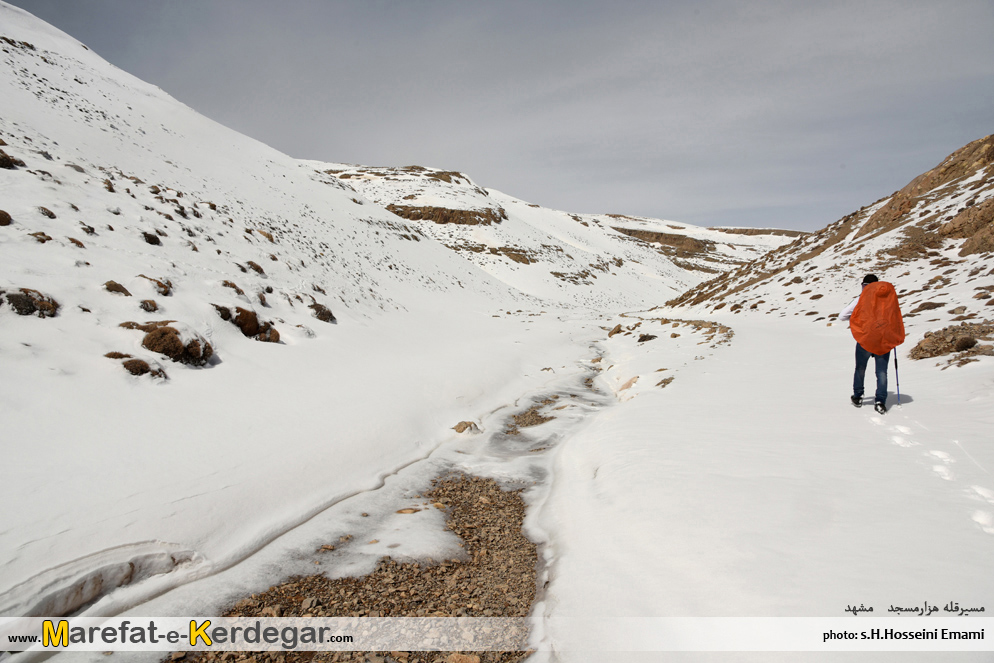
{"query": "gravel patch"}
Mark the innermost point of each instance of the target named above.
(496, 578)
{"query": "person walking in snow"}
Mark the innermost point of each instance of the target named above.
(876, 323)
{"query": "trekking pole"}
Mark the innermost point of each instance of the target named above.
(897, 378)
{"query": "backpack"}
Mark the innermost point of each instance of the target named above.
(876, 323)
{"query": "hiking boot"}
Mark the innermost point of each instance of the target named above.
(880, 408)
(857, 400)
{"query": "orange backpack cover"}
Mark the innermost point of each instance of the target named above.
(876, 323)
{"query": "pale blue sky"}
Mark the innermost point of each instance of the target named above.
(786, 114)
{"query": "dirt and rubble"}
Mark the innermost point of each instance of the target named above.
(962, 341)
(496, 577)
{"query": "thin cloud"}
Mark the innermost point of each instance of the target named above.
(769, 113)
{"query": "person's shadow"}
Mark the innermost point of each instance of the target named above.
(892, 399)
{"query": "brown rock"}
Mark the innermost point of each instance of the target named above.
(114, 286)
(8, 162)
(229, 284)
(149, 305)
(28, 301)
(247, 321)
(141, 367)
(462, 658)
(322, 312)
(617, 330)
(162, 338)
(152, 238)
(222, 311)
(464, 426)
(5, 219)
(165, 288)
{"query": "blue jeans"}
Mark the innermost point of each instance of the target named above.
(862, 358)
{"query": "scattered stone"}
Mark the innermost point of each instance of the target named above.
(230, 284)
(165, 288)
(114, 286)
(958, 310)
(149, 305)
(41, 237)
(248, 322)
(76, 242)
(256, 267)
(462, 658)
(322, 312)
(496, 578)
(141, 367)
(152, 238)
(28, 301)
(8, 162)
(646, 337)
(927, 306)
(961, 339)
(47, 212)
(5, 219)
(617, 330)
(464, 426)
(629, 384)
(162, 338)
(529, 417)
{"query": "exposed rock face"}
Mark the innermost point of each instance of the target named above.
(679, 242)
(777, 232)
(162, 338)
(959, 165)
(446, 215)
(28, 302)
(956, 338)
(975, 225)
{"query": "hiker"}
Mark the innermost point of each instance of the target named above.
(877, 325)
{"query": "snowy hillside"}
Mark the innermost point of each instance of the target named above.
(599, 260)
(933, 240)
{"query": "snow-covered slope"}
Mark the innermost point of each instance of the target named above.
(933, 239)
(606, 261)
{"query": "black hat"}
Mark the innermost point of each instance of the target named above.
(870, 278)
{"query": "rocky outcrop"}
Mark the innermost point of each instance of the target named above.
(467, 217)
(682, 243)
